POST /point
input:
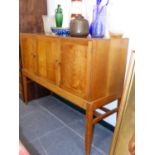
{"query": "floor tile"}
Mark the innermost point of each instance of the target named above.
(27, 109)
(50, 103)
(101, 138)
(64, 142)
(63, 112)
(78, 126)
(45, 99)
(48, 126)
(38, 123)
(35, 148)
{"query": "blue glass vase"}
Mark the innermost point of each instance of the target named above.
(97, 28)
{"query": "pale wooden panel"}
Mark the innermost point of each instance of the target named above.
(116, 65)
(108, 67)
(125, 127)
(41, 57)
(73, 67)
(28, 45)
(48, 57)
(50, 60)
(99, 68)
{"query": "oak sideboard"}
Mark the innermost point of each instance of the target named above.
(88, 72)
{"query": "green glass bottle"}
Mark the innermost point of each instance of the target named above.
(58, 16)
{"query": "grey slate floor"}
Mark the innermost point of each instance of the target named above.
(48, 126)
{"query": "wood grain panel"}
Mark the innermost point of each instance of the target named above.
(73, 68)
(41, 57)
(116, 65)
(28, 46)
(50, 60)
(108, 66)
(99, 68)
(125, 127)
(48, 57)
(30, 15)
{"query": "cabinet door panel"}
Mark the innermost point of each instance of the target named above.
(28, 46)
(74, 67)
(41, 57)
(47, 56)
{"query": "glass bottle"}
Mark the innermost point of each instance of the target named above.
(58, 16)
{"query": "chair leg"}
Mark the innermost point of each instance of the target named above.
(88, 129)
(25, 89)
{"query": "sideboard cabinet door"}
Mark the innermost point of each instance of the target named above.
(74, 71)
(28, 53)
(47, 58)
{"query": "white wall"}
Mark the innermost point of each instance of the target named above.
(119, 13)
(66, 6)
(111, 119)
(119, 19)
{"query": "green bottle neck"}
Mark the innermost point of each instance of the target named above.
(59, 9)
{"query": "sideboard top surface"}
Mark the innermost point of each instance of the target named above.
(66, 38)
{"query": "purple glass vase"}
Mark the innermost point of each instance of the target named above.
(97, 28)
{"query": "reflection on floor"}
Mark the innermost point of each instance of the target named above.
(48, 126)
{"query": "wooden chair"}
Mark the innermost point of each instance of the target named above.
(123, 142)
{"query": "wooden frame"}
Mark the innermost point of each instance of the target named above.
(123, 138)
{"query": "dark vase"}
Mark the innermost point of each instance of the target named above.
(79, 27)
(58, 16)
